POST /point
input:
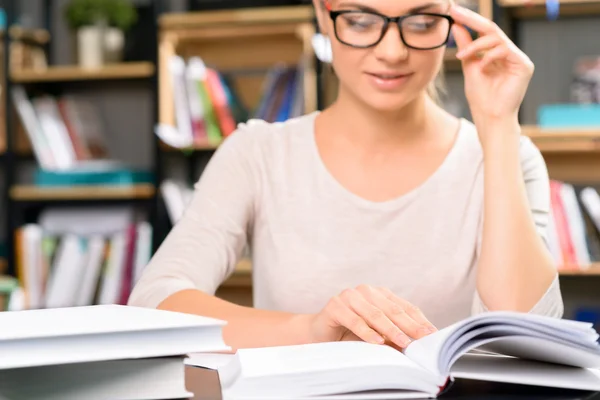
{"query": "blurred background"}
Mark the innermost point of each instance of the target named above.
(110, 109)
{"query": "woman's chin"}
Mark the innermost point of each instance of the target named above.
(388, 104)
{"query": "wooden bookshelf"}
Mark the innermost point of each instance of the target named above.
(36, 193)
(537, 8)
(195, 147)
(592, 270)
(3, 266)
(64, 73)
(564, 140)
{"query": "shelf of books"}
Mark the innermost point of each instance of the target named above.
(67, 259)
(65, 73)
(212, 77)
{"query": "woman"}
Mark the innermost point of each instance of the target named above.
(382, 218)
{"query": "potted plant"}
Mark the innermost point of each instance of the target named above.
(100, 27)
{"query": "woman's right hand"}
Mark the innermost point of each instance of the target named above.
(370, 314)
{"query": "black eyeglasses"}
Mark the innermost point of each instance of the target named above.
(363, 29)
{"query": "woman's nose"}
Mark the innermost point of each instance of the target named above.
(391, 48)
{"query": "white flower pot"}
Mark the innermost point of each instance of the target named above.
(98, 45)
(90, 46)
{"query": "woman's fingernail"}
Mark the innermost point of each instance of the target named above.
(402, 340)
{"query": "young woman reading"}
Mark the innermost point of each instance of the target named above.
(382, 217)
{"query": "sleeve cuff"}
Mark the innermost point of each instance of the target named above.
(551, 303)
(151, 296)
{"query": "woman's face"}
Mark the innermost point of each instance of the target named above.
(389, 74)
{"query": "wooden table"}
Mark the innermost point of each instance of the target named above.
(205, 386)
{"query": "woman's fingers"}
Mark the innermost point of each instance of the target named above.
(469, 18)
(499, 53)
(478, 46)
(461, 37)
(376, 318)
(413, 311)
(343, 315)
(395, 312)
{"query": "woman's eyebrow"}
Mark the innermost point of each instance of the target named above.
(363, 7)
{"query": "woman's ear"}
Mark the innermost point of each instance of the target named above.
(320, 11)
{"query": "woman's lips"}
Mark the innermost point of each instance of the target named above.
(388, 80)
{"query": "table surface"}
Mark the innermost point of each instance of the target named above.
(204, 384)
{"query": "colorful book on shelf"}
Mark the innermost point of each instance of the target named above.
(573, 233)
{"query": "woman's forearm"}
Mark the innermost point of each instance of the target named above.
(515, 269)
(246, 327)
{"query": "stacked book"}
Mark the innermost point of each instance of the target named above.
(101, 352)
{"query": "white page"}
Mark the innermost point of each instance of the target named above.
(322, 369)
(320, 356)
(518, 371)
(545, 350)
(428, 350)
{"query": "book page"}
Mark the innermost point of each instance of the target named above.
(320, 356)
(513, 370)
(324, 369)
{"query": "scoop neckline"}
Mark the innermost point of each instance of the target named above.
(393, 202)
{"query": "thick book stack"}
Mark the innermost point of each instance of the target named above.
(80, 258)
(208, 107)
(101, 352)
(574, 226)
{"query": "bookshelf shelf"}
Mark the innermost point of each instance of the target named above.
(537, 8)
(65, 73)
(592, 270)
(36, 193)
(197, 147)
(564, 140)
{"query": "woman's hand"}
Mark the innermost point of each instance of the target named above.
(370, 314)
(496, 71)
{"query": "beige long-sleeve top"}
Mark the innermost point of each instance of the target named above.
(267, 188)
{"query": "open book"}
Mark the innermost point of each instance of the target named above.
(496, 346)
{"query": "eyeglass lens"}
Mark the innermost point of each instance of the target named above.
(364, 29)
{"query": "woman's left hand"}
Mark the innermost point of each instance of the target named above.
(496, 71)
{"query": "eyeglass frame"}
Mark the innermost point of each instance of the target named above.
(387, 21)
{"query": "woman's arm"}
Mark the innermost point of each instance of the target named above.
(202, 249)
(515, 268)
